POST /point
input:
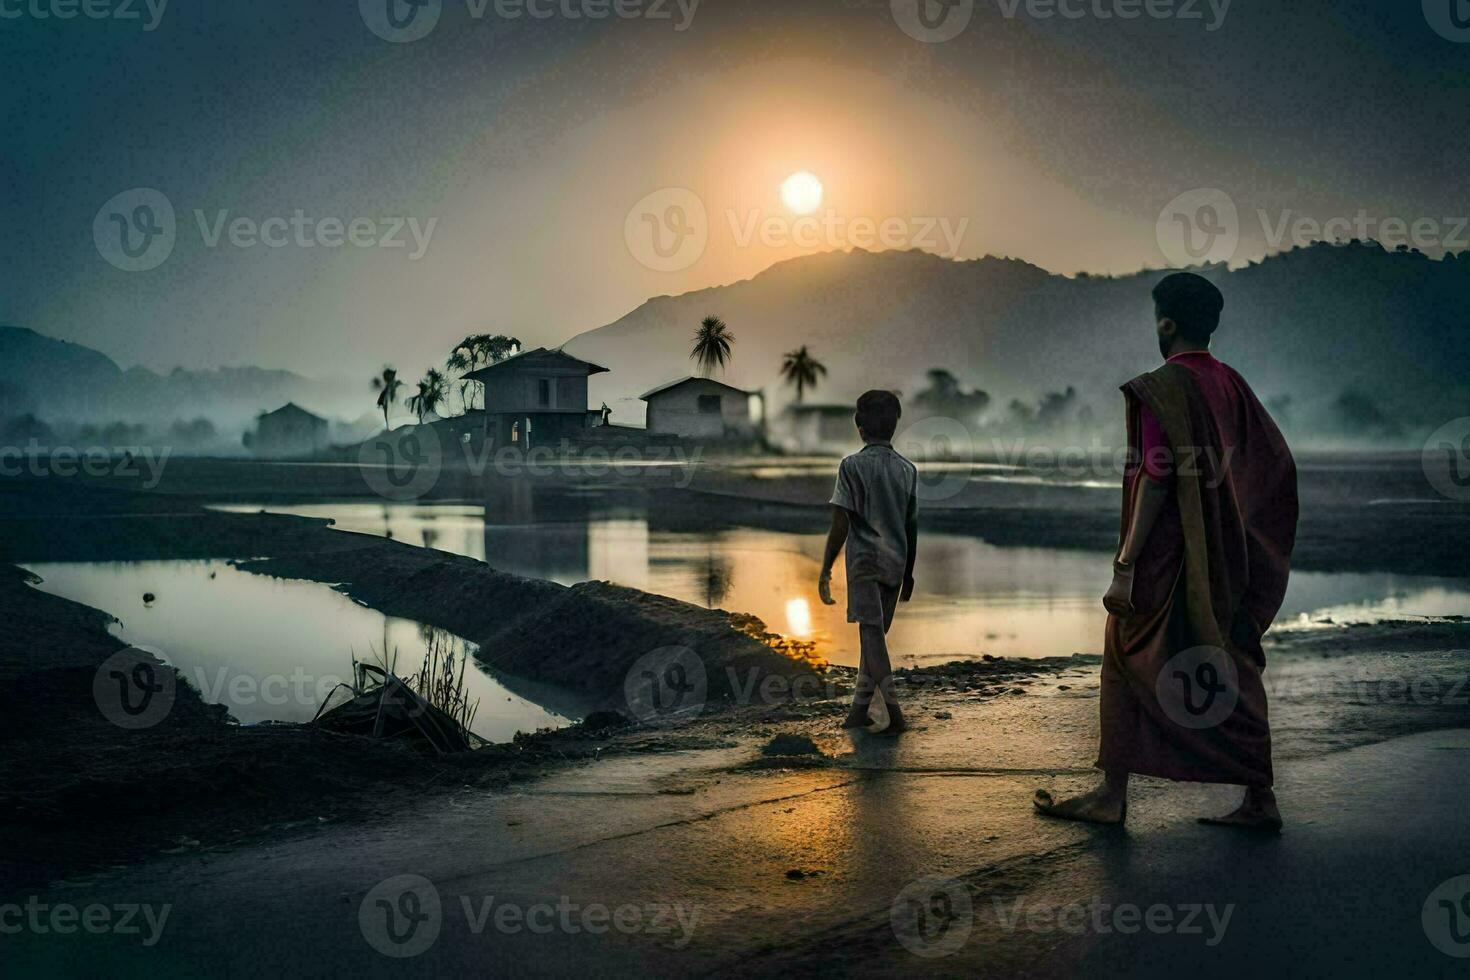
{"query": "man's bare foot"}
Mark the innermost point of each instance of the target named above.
(1256, 812)
(1099, 806)
(896, 724)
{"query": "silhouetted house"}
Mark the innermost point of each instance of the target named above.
(818, 428)
(536, 398)
(289, 431)
(699, 408)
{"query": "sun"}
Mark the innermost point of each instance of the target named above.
(802, 192)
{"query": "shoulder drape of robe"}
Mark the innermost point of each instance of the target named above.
(1212, 575)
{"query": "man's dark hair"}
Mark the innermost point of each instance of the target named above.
(1192, 302)
(877, 414)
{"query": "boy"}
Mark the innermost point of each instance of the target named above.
(875, 511)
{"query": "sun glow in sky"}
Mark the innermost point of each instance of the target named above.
(802, 192)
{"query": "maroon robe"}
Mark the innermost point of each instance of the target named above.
(1212, 576)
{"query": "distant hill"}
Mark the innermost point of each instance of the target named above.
(64, 382)
(1344, 340)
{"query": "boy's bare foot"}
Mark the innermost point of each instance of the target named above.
(1102, 805)
(1256, 812)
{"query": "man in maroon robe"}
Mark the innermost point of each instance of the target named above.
(1209, 521)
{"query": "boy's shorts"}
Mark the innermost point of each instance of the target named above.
(871, 603)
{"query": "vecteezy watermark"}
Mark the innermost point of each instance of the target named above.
(932, 917)
(1096, 917)
(1449, 18)
(137, 230)
(133, 690)
(406, 461)
(669, 230)
(829, 229)
(1446, 917)
(1446, 459)
(937, 21)
(1201, 226)
(1204, 226)
(298, 688)
(403, 916)
(670, 682)
(141, 919)
(1365, 687)
(129, 462)
(402, 463)
(403, 21)
(145, 13)
(1199, 687)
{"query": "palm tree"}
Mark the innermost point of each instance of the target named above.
(711, 345)
(387, 385)
(799, 368)
(458, 362)
(476, 351)
(431, 393)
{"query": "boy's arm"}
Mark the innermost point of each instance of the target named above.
(911, 529)
(836, 537)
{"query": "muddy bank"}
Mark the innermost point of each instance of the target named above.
(77, 791)
(587, 637)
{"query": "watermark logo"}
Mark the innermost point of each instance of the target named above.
(1199, 227)
(938, 438)
(932, 917)
(143, 920)
(1446, 917)
(932, 21)
(401, 917)
(1446, 460)
(667, 230)
(403, 21)
(118, 10)
(1198, 687)
(142, 463)
(400, 21)
(1206, 920)
(667, 682)
(133, 690)
(1449, 18)
(830, 229)
(402, 463)
(135, 230)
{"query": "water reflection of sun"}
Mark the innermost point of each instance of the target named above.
(798, 618)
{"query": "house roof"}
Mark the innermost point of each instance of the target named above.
(670, 386)
(479, 373)
(291, 408)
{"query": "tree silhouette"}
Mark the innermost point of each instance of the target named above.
(387, 385)
(799, 368)
(711, 345)
(433, 388)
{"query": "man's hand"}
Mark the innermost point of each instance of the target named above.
(1119, 597)
(824, 587)
(907, 592)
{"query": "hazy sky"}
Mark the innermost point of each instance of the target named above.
(509, 154)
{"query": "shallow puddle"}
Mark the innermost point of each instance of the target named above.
(271, 649)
